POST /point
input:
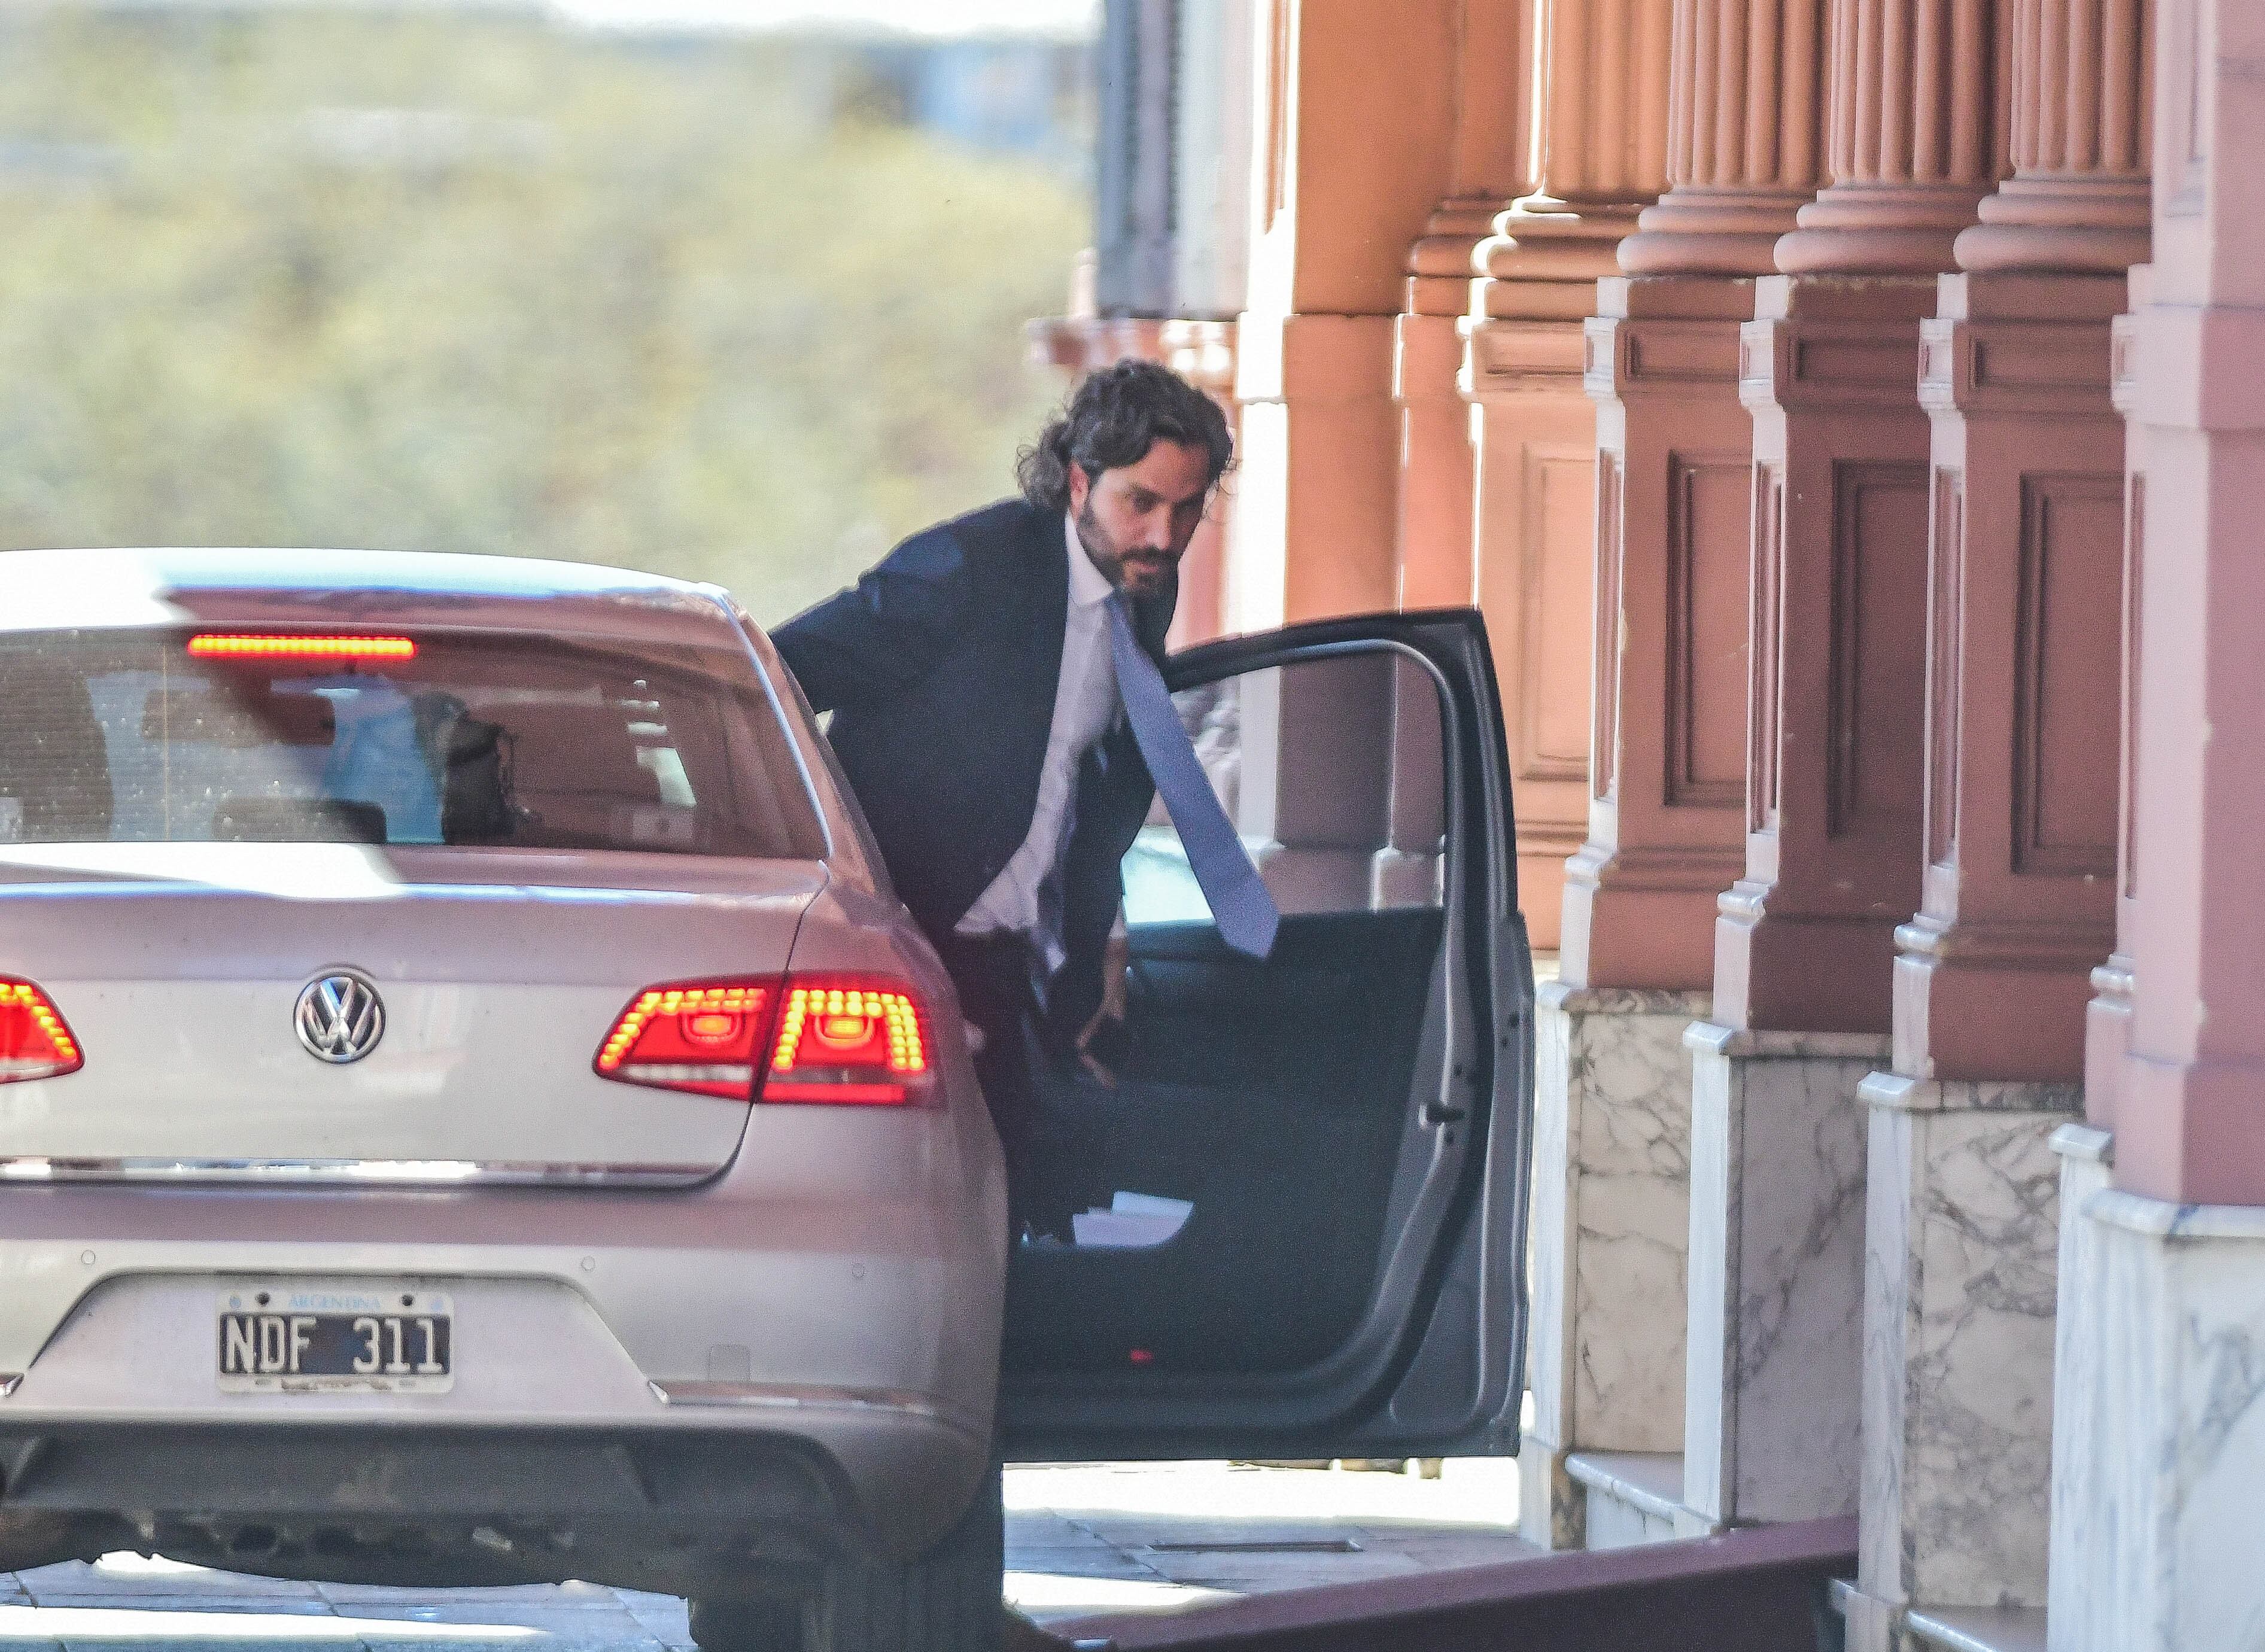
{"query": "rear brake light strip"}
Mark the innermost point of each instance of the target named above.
(212, 645)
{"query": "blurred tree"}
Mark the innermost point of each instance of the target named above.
(472, 283)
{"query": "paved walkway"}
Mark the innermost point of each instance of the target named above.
(1114, 1537)
(1079, 1540)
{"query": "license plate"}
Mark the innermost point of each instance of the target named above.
(311, 1339)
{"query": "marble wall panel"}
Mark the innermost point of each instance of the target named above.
(2159, 1474)
(1960, 1252)
(1614, 1524)
(1610, 1227)
(1772, 1412)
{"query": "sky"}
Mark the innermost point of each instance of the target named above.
(917, 16)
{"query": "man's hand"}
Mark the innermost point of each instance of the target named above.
(1107, 1026)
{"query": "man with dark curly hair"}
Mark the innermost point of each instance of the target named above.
(981, 678)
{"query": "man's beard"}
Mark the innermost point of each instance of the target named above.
(1114, 564)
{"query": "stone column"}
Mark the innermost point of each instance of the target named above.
(1491, 165)
(1612, 1157)
(1801, 948)
(1804, 939)
(1668, 741)
(1840, 522)
(1994, 974)
(1836, 547)
(2024, 621)
(1673, 451)
(1772, 1413)
(1352, 152)
(2194, 1128)
(2079, 200)
(1776, 1159)
(2163, 1313)
(1840, 513)
(2018, 902)
(1595, 95)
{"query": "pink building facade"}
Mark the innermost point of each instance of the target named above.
(1850, 415)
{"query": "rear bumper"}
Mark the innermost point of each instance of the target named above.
(662, 1508)
(797, 1355)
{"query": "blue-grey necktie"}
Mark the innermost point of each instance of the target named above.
(1240, 902)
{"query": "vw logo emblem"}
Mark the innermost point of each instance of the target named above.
(341, 1017)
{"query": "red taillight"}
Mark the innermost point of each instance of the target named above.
(34, 1043)
(212, 645)
(847, 1041)
(838, 1040)
(696, 1036)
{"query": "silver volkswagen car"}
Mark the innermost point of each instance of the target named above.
(472, 1110)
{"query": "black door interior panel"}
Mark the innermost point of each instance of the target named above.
(1273, 1098)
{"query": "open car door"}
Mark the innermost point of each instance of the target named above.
(1301, 1182)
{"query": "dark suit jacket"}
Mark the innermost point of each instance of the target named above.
(940, 668)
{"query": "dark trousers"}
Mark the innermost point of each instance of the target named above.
(999, 995)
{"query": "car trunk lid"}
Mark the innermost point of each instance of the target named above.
(179, 969)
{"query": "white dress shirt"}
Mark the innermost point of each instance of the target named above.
(1085, 705)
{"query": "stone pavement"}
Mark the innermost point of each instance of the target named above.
(1081, 1539)
(1115, 1537)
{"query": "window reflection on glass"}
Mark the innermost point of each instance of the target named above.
(123, 737)
(1333, 771)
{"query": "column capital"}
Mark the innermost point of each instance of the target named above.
(1880, 229)
(2079, 199)
(1442, 261)
(1743, 152)
(1602, 152)
(1914, 143)
(1544, 238)
(2082, 224)
(1693, 230)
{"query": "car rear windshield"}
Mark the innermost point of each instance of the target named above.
(477, 739)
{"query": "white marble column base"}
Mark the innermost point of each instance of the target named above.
(2158, 1467)
(1611, 1221)
(2085, 1153)
(1962, 1238)
(1552, 1510)
(1631, 1497)
(1772, 1411)
(1871, 1625)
